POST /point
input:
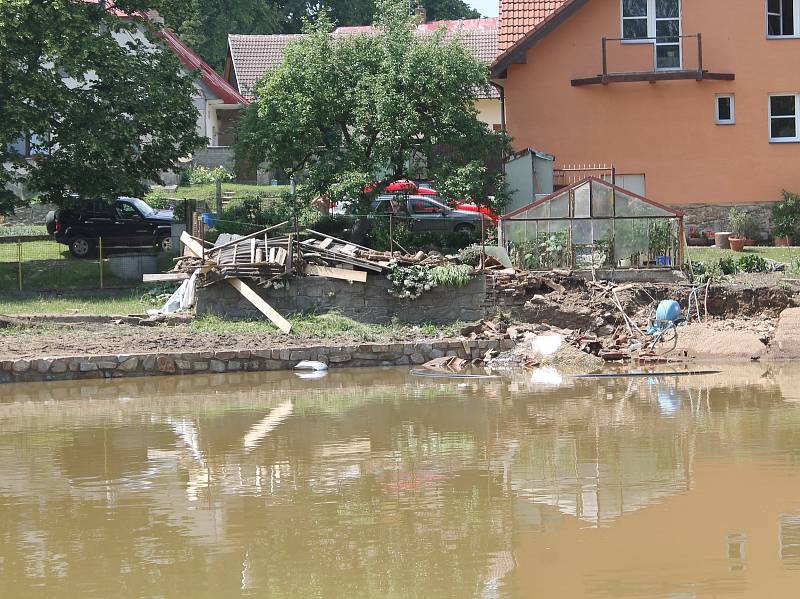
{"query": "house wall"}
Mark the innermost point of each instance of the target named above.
(489, 111)
(667, 129)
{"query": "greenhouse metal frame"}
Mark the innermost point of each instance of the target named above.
(594, 224)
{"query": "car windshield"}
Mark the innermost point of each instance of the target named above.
(141, 206)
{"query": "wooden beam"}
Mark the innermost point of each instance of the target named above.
(262, 306)
(652, 77)
(194, 247)
(336, 273)
(164, 277)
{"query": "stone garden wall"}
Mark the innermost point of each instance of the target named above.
(714, 217)
(174, 363)
(368, 302)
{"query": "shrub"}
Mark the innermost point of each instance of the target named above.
(451, 275)
(753, 263)
(200, 175)
(410, 282)
(728, 266)
(786, 215)
(702, 272)
(258, 211)
(471, 255)
(743, 224)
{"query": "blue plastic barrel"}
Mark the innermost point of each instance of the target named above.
(668, 311)
(208, 218)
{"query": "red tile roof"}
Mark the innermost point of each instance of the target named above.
(518, 17)
(254, 55)
(226, 92)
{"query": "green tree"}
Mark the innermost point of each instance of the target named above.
(104, 108)
(348, 111)
(205, 24)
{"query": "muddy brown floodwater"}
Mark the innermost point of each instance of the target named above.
(373, 483)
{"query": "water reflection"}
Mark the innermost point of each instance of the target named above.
(375, 483)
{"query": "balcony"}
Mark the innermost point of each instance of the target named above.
(653, 59)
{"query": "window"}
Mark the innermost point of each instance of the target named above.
(657, 21)
(725, 111)
(782, 18)
(635, 21)
(783, 111)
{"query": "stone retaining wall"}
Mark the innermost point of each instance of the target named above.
(366, 302)
(127, 365)
(714, 217)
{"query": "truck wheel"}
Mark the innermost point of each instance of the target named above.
(464, 228)
(165, 244)
(80, 247)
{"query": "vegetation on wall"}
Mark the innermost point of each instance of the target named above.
(786, 215)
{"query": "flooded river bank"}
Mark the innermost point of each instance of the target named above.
(374, 483)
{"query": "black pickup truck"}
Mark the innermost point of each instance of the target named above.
(121, 223)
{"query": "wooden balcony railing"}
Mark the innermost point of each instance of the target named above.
(664, 67)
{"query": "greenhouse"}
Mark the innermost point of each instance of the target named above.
(593, 224)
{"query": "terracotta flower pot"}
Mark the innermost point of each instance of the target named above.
(737, 244)
(782, 241)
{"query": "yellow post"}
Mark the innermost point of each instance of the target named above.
(101, 263)
(19, 263)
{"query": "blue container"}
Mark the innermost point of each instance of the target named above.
(668, 311)
(208, 218)
(664, 261)
(274, 182)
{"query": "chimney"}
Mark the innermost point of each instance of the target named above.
(420, 14)
(155, 17)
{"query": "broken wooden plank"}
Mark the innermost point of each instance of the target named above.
(164, 277)
(336, 273)
(262, 306)
(250, 236)
(195, 247)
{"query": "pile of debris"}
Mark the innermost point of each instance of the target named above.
(267, 259)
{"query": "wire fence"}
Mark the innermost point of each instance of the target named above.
(39, 263)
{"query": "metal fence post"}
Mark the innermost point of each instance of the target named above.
(101, 263)
(19, 263)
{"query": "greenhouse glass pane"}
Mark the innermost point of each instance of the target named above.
(631, 242)
(582, 232)
(627, 205)
(513, 231)
(539, 211)
(601, 230)
(601, 200)
(582, 200)
(559, 206)
(556, 226)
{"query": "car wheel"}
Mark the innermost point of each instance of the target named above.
(165, 244)
(80, 247)
(464, 228)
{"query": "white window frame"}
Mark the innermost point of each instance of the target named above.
(796, 35)
(651, 23)
(720, 121)
(651, 32)
(784, 140)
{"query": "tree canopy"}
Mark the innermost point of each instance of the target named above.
(347, 111)
(205, 24)
(101, 103)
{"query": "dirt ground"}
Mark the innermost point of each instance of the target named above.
(107, 339)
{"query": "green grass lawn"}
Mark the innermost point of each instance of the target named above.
(706, 254)
(18, 230)
(208, 191)
(47, 265)
(131, 303)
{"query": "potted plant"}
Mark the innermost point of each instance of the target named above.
(742, 225)
(785, 216)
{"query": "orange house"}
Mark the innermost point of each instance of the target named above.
(696, 103)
